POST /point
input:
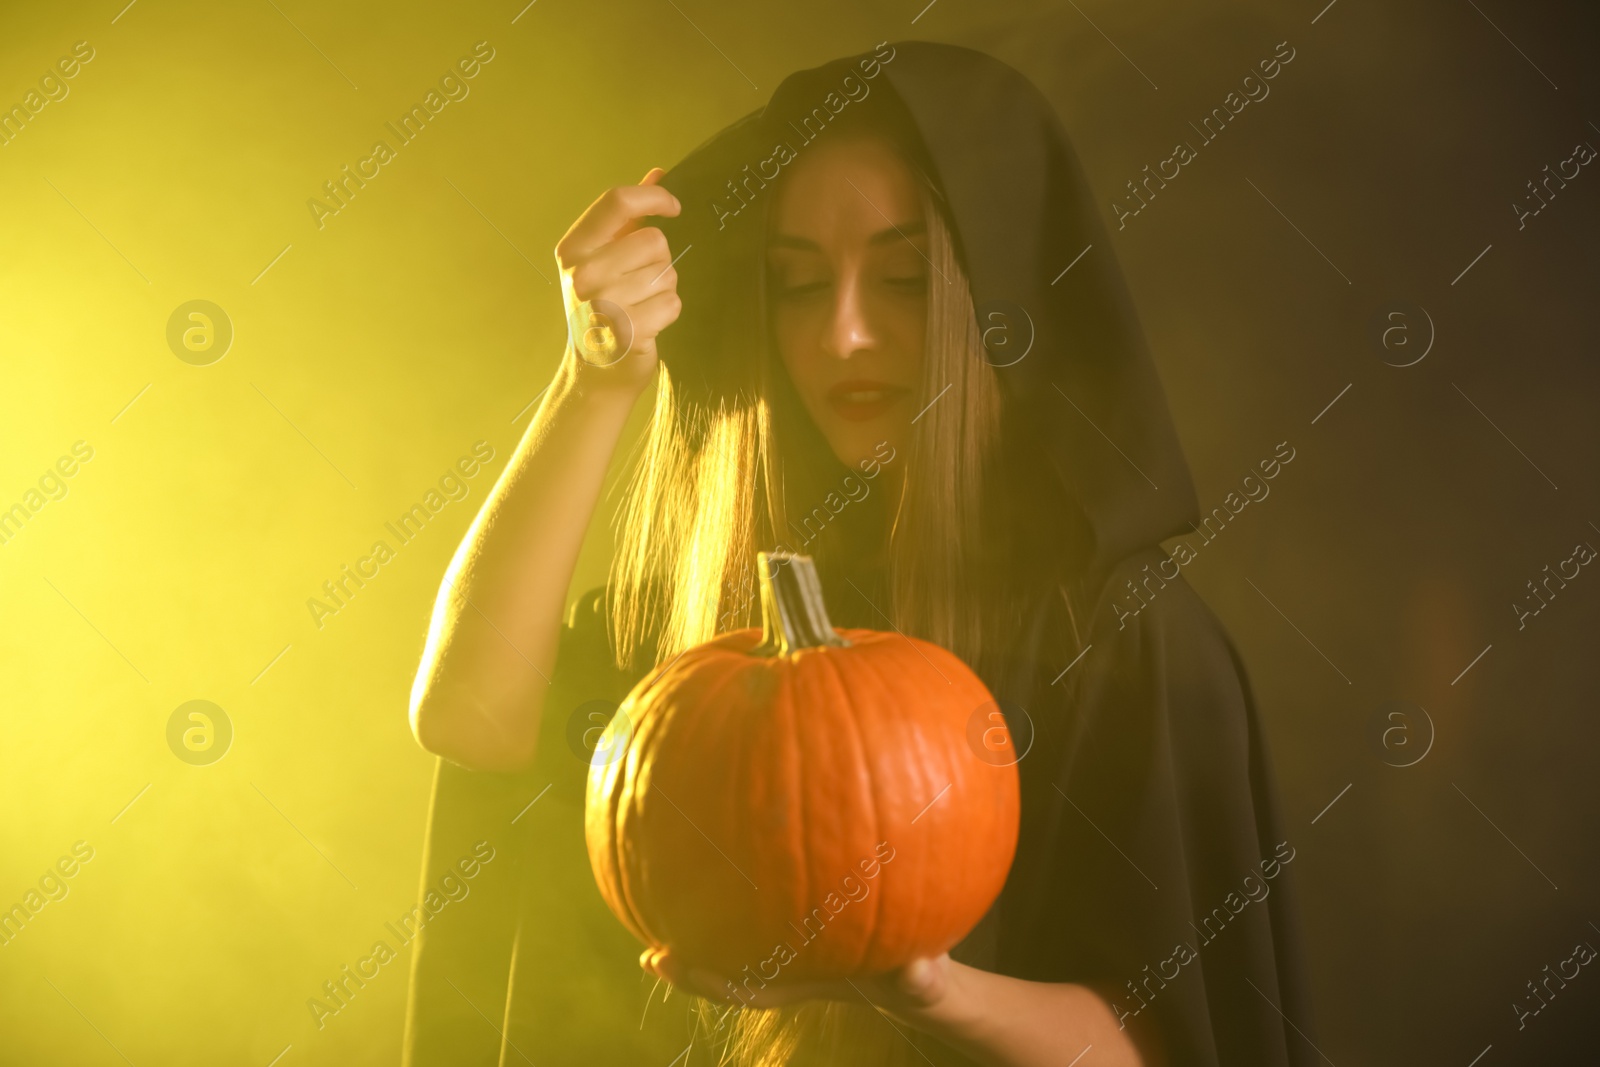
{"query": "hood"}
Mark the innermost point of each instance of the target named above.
(1084, 395)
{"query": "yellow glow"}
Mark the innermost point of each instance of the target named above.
(210, 499)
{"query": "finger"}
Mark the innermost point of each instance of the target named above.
(665, 964)
(637, 250)
(651, 316)
(640, 285)
(600, 279)
(705, 984)
(701, 983)
(652, 178)
(608, 215)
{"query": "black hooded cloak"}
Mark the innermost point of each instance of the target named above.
(1151, 862)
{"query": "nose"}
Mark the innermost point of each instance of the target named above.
(849, 330)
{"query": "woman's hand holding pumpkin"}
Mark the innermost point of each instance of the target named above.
(994, 1019)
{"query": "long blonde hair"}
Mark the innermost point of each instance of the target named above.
(709, 490)
(808, 1033)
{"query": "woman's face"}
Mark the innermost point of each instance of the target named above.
(847, 264)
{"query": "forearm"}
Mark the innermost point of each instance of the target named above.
(496, 621)
(1001, 1021)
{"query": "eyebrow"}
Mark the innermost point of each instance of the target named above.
(882, 237)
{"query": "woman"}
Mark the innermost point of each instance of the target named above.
(898, 343)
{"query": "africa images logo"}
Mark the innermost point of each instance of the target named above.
(337, 992)
(811, 126)
(341, 589)
(453, 86)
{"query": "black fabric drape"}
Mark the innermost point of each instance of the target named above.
(537, 970)
(1148, 810)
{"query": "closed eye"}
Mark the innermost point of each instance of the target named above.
(800, 289)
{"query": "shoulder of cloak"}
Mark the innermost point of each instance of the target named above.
(1154, 820)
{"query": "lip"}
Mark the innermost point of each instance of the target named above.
(859, 410)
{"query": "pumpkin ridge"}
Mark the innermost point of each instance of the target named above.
(792, 746)
(747, 736)
(929, 871)
(821, 679)
(610, 884)
(943, 757)
(814, 878)
(1002, 801)
(870, 942)
(619, 878)
(736, 835)
(628, 875)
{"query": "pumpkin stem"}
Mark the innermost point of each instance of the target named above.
(793, 615)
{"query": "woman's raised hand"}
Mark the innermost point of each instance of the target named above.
(619, 285)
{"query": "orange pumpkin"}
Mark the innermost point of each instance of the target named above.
(799, 803)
